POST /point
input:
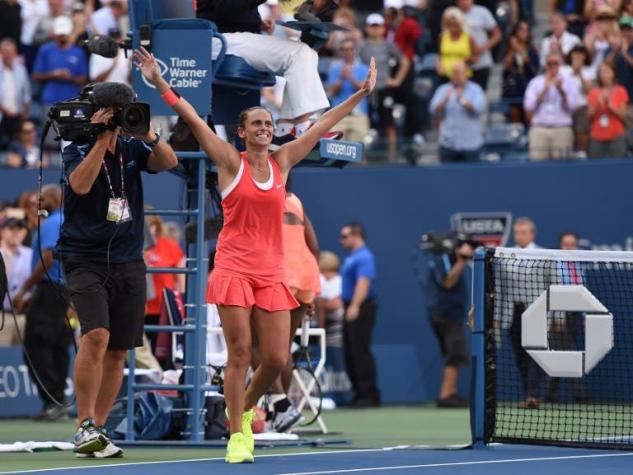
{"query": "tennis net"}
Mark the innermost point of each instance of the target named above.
(553, 346)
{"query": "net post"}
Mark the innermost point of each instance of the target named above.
(477, 403)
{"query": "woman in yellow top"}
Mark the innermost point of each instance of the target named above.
(456, 45)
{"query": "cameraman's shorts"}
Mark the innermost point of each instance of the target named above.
(109, 296)
(452, 339)
(227, 288)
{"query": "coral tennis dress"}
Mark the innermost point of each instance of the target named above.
(249, 253)
(300, 265)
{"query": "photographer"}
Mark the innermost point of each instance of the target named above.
(101, 245)
(447, 301)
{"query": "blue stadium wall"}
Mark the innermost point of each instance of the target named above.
(398, 204)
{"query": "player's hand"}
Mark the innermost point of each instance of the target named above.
(146, 63)
(370, 82)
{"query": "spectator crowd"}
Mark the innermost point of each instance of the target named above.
(570, 92)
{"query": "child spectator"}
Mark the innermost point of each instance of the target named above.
(329, 305)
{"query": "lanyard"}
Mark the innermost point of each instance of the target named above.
(107, 174)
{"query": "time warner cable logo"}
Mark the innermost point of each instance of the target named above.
(183, 73)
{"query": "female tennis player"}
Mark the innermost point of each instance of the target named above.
(247, 283)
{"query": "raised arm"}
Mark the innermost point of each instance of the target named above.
(293, 152)
(223, 154)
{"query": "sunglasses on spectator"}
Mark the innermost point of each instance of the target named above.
(344, 236)
(553, 63)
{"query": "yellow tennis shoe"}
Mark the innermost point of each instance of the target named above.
(247, 429)
(237, 450)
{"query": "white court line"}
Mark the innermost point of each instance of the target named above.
(451, 464)
(92, 467)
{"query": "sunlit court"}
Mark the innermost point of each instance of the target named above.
(316, 236)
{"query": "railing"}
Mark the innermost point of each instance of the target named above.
(194, 325)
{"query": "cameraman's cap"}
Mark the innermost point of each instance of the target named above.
(15, 223)
(62, 25)
(375, 19)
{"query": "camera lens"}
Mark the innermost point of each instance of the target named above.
(135, 118)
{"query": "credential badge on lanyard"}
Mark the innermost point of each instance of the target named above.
(118, 207)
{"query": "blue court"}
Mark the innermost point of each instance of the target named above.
(497, 459)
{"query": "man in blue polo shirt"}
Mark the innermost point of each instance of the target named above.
(47, 336)
(62, 67)
(358, 275)
(447, 300)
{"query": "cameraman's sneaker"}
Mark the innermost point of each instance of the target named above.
(237, 450)
(284, 421)
(110, 451)
(88, 438)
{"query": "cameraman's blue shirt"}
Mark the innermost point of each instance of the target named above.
(47, 239)
(442, 302)
(359, 263)
(85, 231)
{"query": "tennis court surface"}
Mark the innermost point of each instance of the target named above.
(501, 459)
(400, 429)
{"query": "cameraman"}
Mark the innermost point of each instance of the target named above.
(447, 301)
(101, 246)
